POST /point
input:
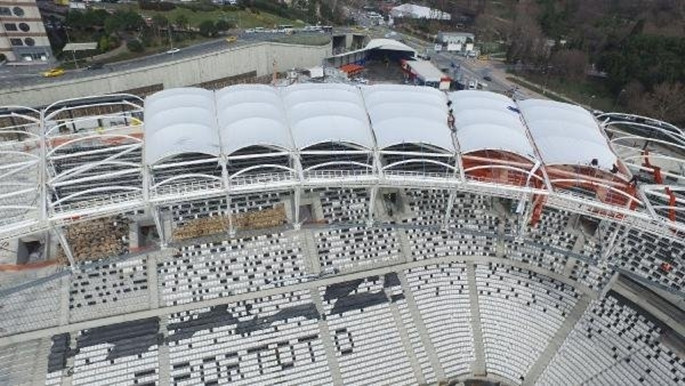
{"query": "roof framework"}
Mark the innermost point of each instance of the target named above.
(20, 166)
(93, 152)
(576, 153)
(493, 139)
(654, 152)
(86, 170)
(411, 131)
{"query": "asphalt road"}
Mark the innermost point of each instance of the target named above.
(457, 66)
(30, 75)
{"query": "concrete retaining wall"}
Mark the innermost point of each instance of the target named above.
(258, 57)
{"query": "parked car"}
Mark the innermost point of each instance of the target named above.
(232, 39)
(173, 51)
(487, 78)
(53, 72)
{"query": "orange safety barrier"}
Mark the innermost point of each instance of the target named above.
(539, 202)
(655, 169)
(26, 267)
(671, 204)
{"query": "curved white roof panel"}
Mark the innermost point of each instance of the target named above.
(408, 114)
(566, 134)
(249, 115)
(488, 121)
(180, 120)
(389, 44)
(319, 113)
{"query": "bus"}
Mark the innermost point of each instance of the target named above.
(287, 28)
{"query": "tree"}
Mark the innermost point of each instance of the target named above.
(182, 21)
(159, 22)
(570, 63)
(123, 21)
(207, 28)
(222, 25)
(667, 102)
(527, 44)
(103, 44)
(135, 45)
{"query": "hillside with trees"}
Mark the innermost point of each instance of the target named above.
(636, 48)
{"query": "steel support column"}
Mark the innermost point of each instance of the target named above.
(448, 211)
(227, 189)
(65, 246)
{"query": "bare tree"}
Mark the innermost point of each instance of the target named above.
(570, 63)
(668, 102)
(527, 43)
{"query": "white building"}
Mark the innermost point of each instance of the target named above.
(456, 37)
(414, 11)
(22, 33)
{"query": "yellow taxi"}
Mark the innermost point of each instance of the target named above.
(53, 72)
(232, 39)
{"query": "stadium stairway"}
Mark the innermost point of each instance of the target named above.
(405, 305)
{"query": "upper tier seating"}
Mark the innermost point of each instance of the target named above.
(207, 271)
(357, 248)
(426, 244)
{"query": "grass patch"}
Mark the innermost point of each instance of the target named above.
(240, 18)
(532, 87)
(589, 92)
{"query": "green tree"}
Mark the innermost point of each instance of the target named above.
(103, 44)
(124, 21)
(135, 45)
(182, 21)
(159, 22)
(207, 28)
(222, 25)
(74, 19)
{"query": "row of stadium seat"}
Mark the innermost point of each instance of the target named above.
(357, 248)
(520, 312)
(282, 336)
(614, 343)
(206, 271)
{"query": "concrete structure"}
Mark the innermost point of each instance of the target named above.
(22, 34)
(254, 60)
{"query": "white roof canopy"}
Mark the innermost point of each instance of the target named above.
(181, 120)
(408, 114)
(250, 115)
(389, 44)
(488, 121)
(566, 134)
(319, 113)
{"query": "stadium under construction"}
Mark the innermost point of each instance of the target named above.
(259, 234)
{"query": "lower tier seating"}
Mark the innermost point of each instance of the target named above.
(520, 312)
(614, 343)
